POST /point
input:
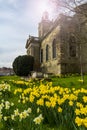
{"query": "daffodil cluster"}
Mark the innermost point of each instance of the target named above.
(56, 104)
(5, 106)
(14, 112)
(22, 82)
(59, 99)
(4, 87)
(21, 115)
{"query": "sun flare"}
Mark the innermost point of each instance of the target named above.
(45, 6)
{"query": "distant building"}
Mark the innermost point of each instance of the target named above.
(61, 46)
(6, 71)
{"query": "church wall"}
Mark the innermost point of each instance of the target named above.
(52, 65)
(73, 64)
(69, 64)
(34, 50)
(84, 41)
(84, 56)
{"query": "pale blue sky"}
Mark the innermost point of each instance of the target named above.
(18, 20)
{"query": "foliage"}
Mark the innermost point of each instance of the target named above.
(22, 65)
(41, 105)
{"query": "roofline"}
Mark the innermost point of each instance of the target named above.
(30, 39)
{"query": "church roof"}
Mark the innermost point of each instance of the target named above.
(32, 39)
(82, 7)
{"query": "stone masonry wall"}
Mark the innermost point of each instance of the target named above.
(53, 64)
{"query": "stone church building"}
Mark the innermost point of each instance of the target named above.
(61, 45)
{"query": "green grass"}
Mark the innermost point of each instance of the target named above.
(70, 82)
(6, 78)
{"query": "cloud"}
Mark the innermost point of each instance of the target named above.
(18, 20)
(12, 3)
(8, 55)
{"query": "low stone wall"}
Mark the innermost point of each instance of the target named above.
(39, 75)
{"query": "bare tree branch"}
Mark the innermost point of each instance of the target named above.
(71, 5)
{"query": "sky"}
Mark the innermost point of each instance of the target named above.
(18, 20)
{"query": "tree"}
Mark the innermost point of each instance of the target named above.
(71, 6)
(23, 65)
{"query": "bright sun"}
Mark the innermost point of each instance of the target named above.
(45, 6)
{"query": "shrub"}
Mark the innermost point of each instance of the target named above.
(22, 65)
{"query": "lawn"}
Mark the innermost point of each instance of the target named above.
(56, 103)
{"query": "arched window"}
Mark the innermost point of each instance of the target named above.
(47, 51)
(54, 49)
(72, 46)
(41, 56)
